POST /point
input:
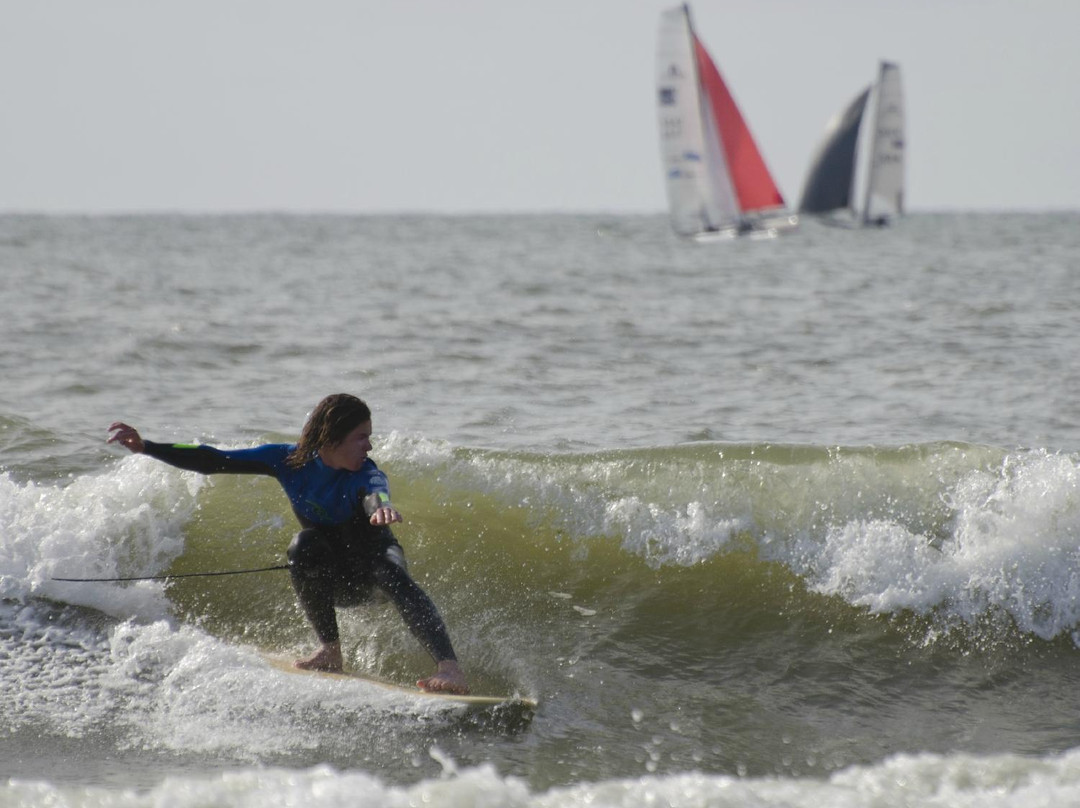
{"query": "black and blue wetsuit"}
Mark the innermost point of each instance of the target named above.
(339, 558)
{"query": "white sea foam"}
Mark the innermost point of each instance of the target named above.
(1013, 547)
(954, 781)
(125, 521)
(198, 694)
(589, 497)
(171, 687)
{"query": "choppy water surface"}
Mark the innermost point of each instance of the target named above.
(763, 523)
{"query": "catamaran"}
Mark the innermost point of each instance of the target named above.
(718, 185)
(837, 187)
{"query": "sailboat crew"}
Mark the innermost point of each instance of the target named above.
(345, 549)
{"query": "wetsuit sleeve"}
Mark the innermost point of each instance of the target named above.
(209, 460)
(376, 487)
(372, 502)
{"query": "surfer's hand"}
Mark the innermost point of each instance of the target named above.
(126, 436)
(385, 515)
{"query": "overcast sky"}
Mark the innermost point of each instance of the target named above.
(505, 105)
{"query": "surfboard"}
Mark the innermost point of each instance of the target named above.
(518, 706)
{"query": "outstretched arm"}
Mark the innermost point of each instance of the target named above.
(200, 458)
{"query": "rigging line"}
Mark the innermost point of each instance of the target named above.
(167, 577)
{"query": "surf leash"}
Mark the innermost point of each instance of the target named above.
(168, 577)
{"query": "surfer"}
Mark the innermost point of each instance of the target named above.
(345, 549)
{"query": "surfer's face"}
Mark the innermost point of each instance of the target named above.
(351, 453)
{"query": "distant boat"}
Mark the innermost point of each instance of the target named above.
(717, 183)
(836, 185)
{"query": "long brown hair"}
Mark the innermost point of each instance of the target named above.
(329, 423)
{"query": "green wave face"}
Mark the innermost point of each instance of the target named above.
(668, 544)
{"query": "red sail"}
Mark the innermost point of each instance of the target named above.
(754, 186)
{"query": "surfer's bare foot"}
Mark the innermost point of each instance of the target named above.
(449, 678)
(327, 658)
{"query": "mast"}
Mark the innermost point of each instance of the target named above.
(708, 221)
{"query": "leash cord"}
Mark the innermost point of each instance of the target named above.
(168, 577)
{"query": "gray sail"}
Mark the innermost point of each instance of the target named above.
(832, 172)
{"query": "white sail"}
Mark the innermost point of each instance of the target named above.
(696, 199)
(885, 171)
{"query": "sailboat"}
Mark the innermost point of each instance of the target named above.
(718, 185)
(835, 179)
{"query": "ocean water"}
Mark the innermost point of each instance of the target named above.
(781, 523)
